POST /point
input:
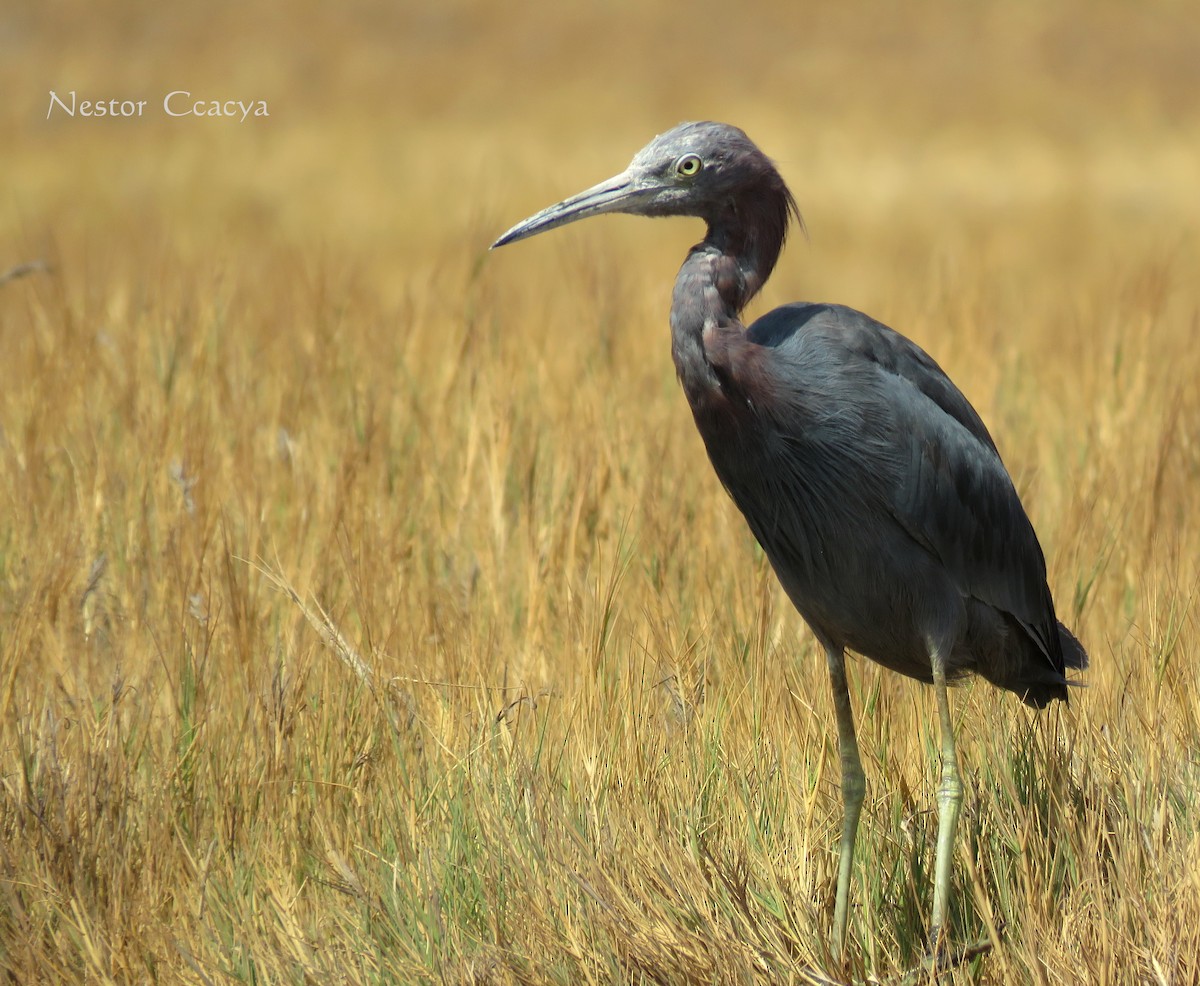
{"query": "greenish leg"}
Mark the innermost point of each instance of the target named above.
(854, 789)
(949, 797)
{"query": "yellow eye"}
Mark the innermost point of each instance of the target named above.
(688, 166)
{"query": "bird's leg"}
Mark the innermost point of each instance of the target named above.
(949, 798)
(854, 789)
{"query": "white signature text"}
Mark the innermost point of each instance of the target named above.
(178, 102)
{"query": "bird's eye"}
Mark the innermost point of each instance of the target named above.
(688, 166)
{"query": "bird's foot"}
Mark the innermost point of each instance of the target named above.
(943, 957)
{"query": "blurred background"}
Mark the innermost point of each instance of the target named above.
(393, 123)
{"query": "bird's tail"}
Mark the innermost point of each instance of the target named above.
(1074, 656)
(1049, 685)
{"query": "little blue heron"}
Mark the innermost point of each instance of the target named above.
(871, 483)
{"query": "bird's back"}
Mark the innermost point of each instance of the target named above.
(880, 498)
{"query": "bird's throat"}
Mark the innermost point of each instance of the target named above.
(720, 276)
(710, 292)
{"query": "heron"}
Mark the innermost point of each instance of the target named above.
(869, 480)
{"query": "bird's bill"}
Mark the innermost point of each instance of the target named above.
(617, 194)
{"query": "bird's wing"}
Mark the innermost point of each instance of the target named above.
(955, 498)
(941, 477)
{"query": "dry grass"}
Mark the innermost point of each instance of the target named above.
(368, 610)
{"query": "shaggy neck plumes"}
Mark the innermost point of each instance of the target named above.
(751, 230)
(722, 274)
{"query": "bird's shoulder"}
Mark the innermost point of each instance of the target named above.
(811, 342)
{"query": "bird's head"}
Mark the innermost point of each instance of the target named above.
(694, 169)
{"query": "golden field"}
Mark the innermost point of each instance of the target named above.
(369, 612)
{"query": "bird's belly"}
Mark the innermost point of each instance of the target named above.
(887, 612)
(856, 576)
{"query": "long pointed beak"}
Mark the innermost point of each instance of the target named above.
(619, 194)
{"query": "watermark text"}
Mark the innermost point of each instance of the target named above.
(177, 103)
